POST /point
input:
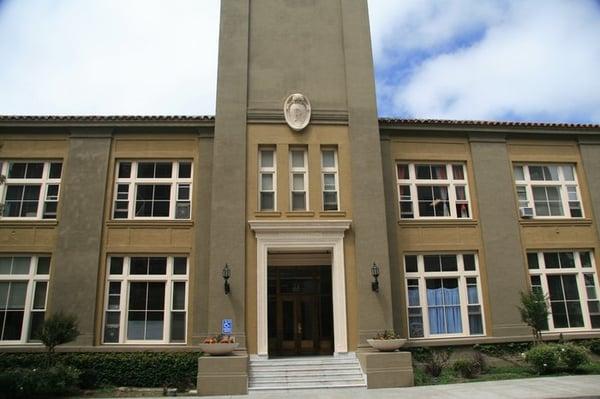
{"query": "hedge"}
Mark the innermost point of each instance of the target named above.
(132, 369)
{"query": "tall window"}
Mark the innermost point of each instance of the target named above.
(267, 179)
(31, 189)
(443, 295)
(329, 173)
(551, 189)
(569, 281)
(149, 190)
(433, 191)
(23, 293)
(298, 180)
(146, 300)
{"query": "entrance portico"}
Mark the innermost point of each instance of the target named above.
(301, 236)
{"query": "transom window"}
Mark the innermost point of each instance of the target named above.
(329, 173)
(23, 294)
(298, 180)
(443, 295)
(267, 179)
(31, 189)
(433, 191)
(146, 299)
(569, 281)
(153, 189)
(551, 190)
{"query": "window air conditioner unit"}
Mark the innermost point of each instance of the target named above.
(526, 212)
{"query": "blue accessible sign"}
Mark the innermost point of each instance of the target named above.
(226, 326)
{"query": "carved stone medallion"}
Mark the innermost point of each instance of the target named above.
(296, 109)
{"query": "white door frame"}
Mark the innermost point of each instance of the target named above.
(301, 235)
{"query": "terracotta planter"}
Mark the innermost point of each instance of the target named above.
(218, 349)
(386, 345)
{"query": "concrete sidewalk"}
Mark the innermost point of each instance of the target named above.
(587, 386)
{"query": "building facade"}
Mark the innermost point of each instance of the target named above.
(130, 222)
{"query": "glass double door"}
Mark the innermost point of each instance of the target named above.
(300, 311)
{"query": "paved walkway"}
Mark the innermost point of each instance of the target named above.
(584, 386)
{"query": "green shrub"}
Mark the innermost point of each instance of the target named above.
(500, 350)
(58, 329)
(594, 346)
(544, 358)
(44, 382)
(436, 362)
(467, 368)
(134, 369)
(573, 356)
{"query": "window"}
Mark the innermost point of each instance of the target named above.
(267, 180)
(433, 191)
(31, 189)
(298, 180)
(443, 295)
(551, 189)
(329, 173)
(151, 190)
(146, 299)
(23, 294)
(569, 281)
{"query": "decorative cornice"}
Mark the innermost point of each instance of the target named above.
(317, 116)
(299, 226)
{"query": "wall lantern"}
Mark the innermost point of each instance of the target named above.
(226, 275)
(375, 274)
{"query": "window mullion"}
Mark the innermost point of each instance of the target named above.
(583, 299)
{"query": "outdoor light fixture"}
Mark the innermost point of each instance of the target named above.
(375, 274)
(226, 275)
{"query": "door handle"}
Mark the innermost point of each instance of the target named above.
(299, 329)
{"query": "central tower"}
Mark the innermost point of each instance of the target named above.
(293, 201)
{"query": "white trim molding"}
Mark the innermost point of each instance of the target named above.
(302, 235)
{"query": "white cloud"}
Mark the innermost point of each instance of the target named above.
(108, 57)
(536, 60)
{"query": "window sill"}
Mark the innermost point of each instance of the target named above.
(438, 223)
(332, 214)
(149, 223)
(554, 222)
(300, 214)
(28, 222)
(267, 214)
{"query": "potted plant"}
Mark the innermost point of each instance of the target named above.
(219, 345)
(387, 341)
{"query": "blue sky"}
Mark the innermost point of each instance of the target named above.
(536, 60)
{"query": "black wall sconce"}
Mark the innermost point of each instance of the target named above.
(375, 274)
(226, 275)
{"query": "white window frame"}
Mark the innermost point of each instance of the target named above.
(450, 183)
(32, 279)
(562, 184)
(43, 182)
(265, 170)
(330, 171)
(126, 278)
(133, 182)
(578, 271)
(461, 274)
(296, 171)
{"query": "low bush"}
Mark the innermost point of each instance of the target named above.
(436, 362)
(544, 358)
(573, 356)
(133, 369)
(594, 346)
(502, 350)
(41, 382)
(467, 368)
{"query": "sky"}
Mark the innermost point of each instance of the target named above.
(523, 60)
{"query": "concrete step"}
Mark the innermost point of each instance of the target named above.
(295, 378)
(305, 373)
(306, 385)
